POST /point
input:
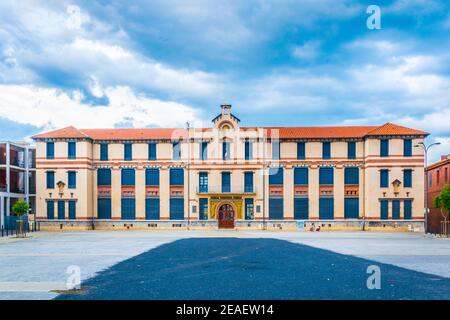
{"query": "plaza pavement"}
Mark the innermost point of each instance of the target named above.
(32, 268)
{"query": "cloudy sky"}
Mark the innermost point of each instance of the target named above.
(160, 63)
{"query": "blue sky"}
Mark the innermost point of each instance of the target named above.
(160, 63)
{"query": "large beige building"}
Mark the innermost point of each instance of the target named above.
(231, 176)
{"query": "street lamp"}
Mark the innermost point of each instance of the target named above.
(188, 127)
(425, 151)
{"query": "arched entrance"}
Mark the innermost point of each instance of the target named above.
(226, 216)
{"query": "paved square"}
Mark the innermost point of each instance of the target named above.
(226, 265)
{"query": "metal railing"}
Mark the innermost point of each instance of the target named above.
(226, 189)
(18, 226)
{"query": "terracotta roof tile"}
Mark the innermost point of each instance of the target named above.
(393, 129)
(68, 132)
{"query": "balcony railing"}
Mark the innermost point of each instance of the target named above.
(226, 189)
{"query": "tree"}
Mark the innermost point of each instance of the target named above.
(20, 208)
(442, 201)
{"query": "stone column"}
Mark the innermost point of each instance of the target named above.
(313, 193)
(116, 193)
(288, 193)
(140, 193)
(164, 193)
(338, 191)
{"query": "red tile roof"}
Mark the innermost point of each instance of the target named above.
(283, 132)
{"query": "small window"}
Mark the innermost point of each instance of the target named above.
(152, 151)
(203, 150)
(300, 150)
(128, 151)
(225, 150)
(203, 182)
(176, 177)
(384, 147)
(351, 150)
(407, 178)
(301, 176)
(276, 150)
(430, 177)
(128, 177)
(176, 151)
(50, 179)
(72, 180)
(326, 150)
(72, 150)
(103, 152)
(248, 150)
(50, 150)
(226, 182)
(407, 147)
(248, 181)
(152, 177)
(437, 177)
(384, 178)
(326, 176)
(275, 176)
(103, 177)
(351, 175)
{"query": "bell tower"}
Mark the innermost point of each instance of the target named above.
(226, 120)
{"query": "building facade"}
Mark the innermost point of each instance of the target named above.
(437, 177)
(17, 176)
(230, 176)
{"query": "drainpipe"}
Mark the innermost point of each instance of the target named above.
(188, 126)
(264, 181)
(364, 186)
(8, 179)
(92, 186)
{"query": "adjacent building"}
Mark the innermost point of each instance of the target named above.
(17, 176)
(437, 178)
(229, 175)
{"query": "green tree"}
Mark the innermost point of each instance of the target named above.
(20, 208)
(442, 201)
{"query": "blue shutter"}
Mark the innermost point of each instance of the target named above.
(72, 177)
(351, 208)
(275, 176)
(128, 151)
(152, 151)
(203, 182)
(61, 209)
(128, 208)
(203, 208)
(225, 150)
(50, 179)
(128, 177)
(276, 150)
(326, 208)
(176, 208)
(301, 208)
(407, 214)
(176, 151)
(326, 176)
(50, 209)
(152, 209)
(384, 147)
(395, 209)
(72, 209)
(301, 176)
(300, 150)
(248, 150)
(152, 177)
(103, 152)
(176, 177)
(384, 209)
(72, 150)
(407, 178)
(50, 150)
(226, 181)
(103, 177)
(203, 150)
(407, 147)
(275, 208)
(104, 208)
(326, 150)
(384, 178)
(248, 182)
(351, 175)
(351, 150)
(249, 207)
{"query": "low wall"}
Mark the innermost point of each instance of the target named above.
(274, 225)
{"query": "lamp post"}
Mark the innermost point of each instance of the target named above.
(425, 152)
(188, 127)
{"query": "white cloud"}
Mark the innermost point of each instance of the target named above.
(50, 108)
(112, 52)
(309, 50)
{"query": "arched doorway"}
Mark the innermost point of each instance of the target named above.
(226, 216)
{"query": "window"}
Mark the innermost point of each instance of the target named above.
(301, 176)
(301, 150)
(72, 150)
(72, 178)
(104, 208)
(446, 175)
(249, 215)
(351, 208)
(176, 208)
(326, 150)
(203, 208)
(384, 209)
(128, 208)
(152, 177)
(351, 150)
(275, 176)
(176, 151)
(152, 211)
(61, 209)
(326, 208)
(437, 177)
(226, 182)
(176, 177)
(72, 209)
(248, 181)
(248, 150)
(407, 178)
(104, 177)
(407, 207)
(50, 209)
(395, 209)
(128, 177)
(225, 150)
(384, 147)
(203, 150)
(301, 208)
(203, 182)
(128, 151)
(50, 179)
(152, 151)
(275, 149)
(50, 150)
(351, 175)
(326, 176)
(275, 208)
(430, 177)
(103, 152)
(407, 147)
(384, 178)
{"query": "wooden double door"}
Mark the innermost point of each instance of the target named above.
(226, 216)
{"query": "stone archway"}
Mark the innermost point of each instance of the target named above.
(226, 215)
